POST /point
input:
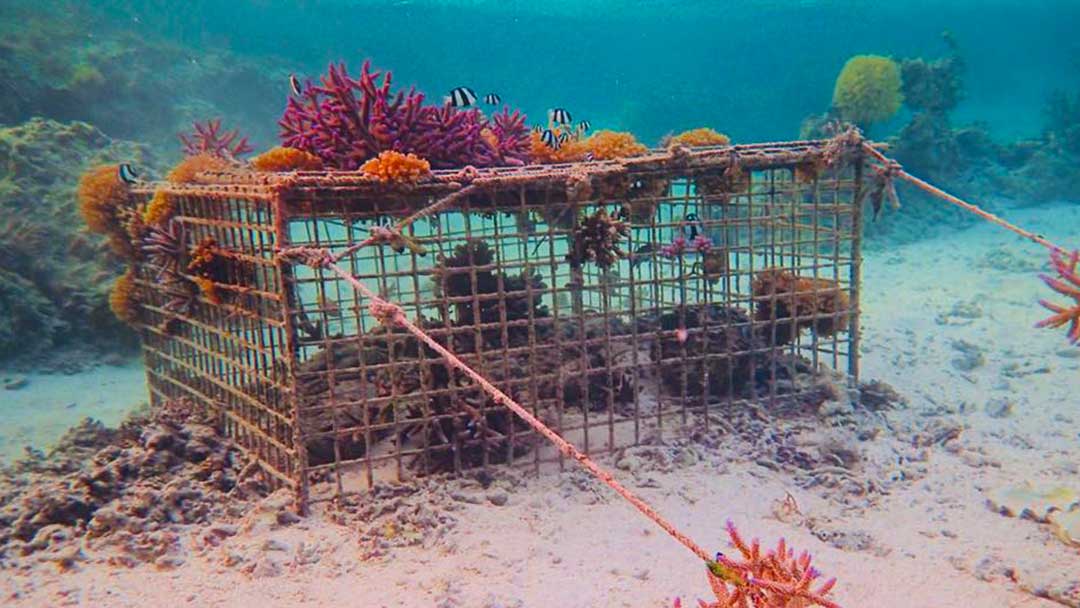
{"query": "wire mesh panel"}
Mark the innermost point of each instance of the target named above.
(214, 326)
(607, 297)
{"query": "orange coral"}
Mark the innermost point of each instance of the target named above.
(1066, 283)
(204, 260)
(209, 289)
(394, 167)
(703, 136)
(781, 296)
(160, 208)
(286, 159)
(185, 172)
(122, 298)
(101, 194)
(569, 151)
(606, 145)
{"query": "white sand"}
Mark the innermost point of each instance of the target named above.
(38, 414)
(931, 542)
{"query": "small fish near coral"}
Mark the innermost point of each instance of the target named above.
(461, 97)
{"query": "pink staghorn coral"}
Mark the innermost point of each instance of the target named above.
(1066, 283)
(346, 121)
(776, 578)
(208, 138)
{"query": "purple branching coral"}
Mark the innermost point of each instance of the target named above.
(208, 138)
(346, 121)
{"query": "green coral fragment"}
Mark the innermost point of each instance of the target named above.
(1024, 500)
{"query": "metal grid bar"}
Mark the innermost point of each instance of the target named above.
(315, 389)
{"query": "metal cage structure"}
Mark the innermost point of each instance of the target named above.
(608, 297)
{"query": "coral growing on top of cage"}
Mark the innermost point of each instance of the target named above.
(347, 120)
(208, 138)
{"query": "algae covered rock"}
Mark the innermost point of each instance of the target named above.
(56, 276)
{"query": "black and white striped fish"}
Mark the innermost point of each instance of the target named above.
(583, 126)
(294, 84)
(589, 156)
(560, 116)
(549, 139)
(461, 97)
(492, 99)
(564, 137)
(538, 129)
(127, 174)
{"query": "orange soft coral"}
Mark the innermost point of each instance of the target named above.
(122, 298)
(703, 136)
(606, 145)
(101, 196)
(209, 289)
(571, 150)
(185, 172)
(286, 159)
(793, 303)
(397, 168)
(160, 208)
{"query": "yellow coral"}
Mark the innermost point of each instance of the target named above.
(160, 208)
(606, 145)
(286, 159)
(868, 89)
(703, 136)
(394, 167)
(101, 194)
(185, 172)
(122, 298)
(569, 151)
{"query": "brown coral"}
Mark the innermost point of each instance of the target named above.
(597, 239)
(101, 194)
(286, 159)
(209, 289)
(703, 136)
(791, 303)
(396, 168)
(123, 299)
(185, 172)
(606, 145)
(159, 210)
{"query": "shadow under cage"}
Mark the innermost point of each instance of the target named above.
(610, 298)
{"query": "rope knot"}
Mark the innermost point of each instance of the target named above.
(386, 313)
(392, 236)
(316, 257)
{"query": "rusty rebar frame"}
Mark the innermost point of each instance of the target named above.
(295, 199)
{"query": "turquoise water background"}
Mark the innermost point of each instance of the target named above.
(753, 69)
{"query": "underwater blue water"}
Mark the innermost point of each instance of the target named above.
(751, 68)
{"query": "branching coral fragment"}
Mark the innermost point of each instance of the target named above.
(776, 578)
(208, 138)
(1067, 283)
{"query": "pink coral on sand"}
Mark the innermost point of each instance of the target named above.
(1066, 283)
(208, 138)
(346, 121)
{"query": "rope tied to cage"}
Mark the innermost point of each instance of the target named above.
(722, 570)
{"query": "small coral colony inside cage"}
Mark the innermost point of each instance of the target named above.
(611, 298)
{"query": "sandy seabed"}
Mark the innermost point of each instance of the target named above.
(991, 402)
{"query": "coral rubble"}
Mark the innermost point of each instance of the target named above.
(118, 492)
